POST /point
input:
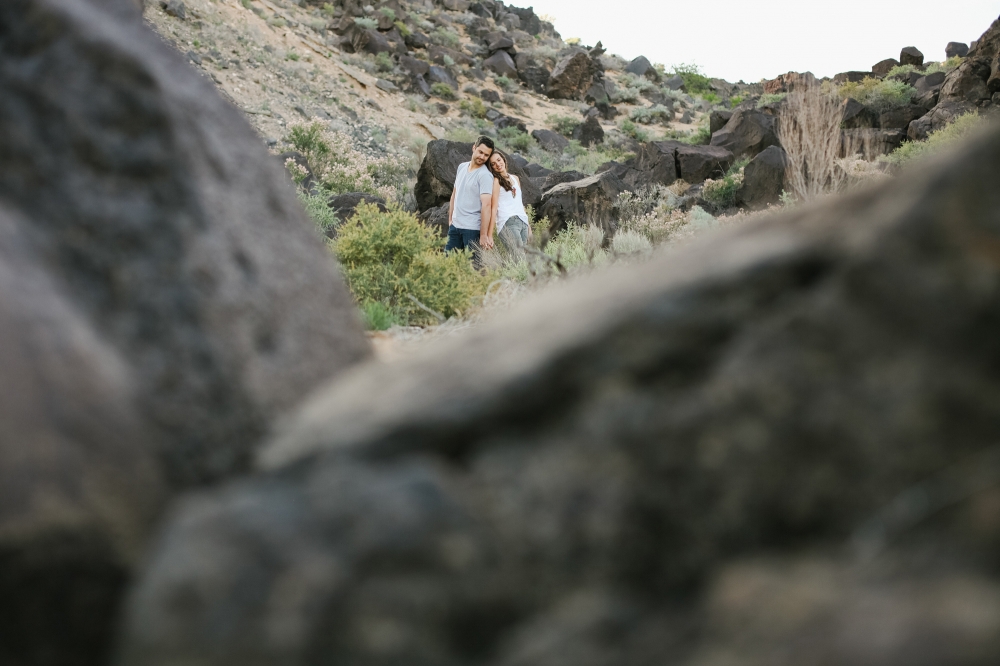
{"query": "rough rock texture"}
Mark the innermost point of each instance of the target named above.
(79, 480)
(850, 77)
(587, 201)
(436, 176)
(549, 140)
(560, 177)
(501, 63)
(717, 119)
(900, 117)
(910, 55)
(928, 89)
(642, 67)
(953, 49)
(161, 214)
(883, 67)
(532, 71)
(764, 178)
(436, 218)
(748, 132)
(776, 447)
(941, 115)
(978, 76)
(856, 115)
(589, 132)
(659, 160)
(696, 163)
(790, 82)
(571, 77)
(870, 142)
(436, 74)
(344, 205)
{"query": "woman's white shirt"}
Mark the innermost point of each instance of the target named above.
(510, 204)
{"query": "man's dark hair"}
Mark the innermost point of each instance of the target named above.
(485, 141)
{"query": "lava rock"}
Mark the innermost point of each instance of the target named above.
(855, 115)
(883, 67)
(851, 77)
(589, 132)
(532, 72)
(571, 77)
(436, 74)
(698, 163)
(658, 159)
(764, 178)
(590, 200)
(748, 132)
(344, 205)
(956, 49)
(717, 119)
(900, 117)
(489, 96)
(550, 141)
(910, 55)
(642, 67)
(502, 64)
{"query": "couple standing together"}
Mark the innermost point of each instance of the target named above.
(486, 200)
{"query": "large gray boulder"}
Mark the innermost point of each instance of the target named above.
(775, 446)
(501, 63)
(698, 163)
(747, 132)
(659, 160)
(436, 176)
(584, 202)
(571, 77)
(164, 300)
(764, 178)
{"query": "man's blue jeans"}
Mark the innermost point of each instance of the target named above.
(464, 239)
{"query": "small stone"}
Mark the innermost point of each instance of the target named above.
(387, 86)
(174, 8)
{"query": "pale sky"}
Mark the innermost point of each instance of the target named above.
(755, 39)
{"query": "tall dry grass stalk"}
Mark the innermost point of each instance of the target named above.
(809, 131)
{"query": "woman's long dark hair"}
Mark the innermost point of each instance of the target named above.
(505, 182)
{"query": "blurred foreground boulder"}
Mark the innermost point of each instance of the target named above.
(162, 299)
(741, 454)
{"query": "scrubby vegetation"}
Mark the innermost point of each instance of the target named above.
(959, 128)
(695, 81)
(397, 270)
(724, 192)
(878, 94)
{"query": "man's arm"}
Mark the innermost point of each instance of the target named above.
(485, 214)
(451, 206)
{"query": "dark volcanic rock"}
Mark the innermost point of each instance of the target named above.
(501, 63)
(587, 201)
(900, 117)
(344, 205)
(533, 72)
(503, 122)
(414, 65)
(954, 49)
(937, 118)
(437, 74)
(717, 119)
(748, 132)
(870, 142)
(571, 77)
(560, 177)
(491, 96)
(642, 67)
(589, 132)
(549, 140)
(967, 82)
(436, 218)
(696, 163)
(764, 178)
(850, 77)
(883, 67)
(855, 115)
(928, 89)
(910, 55)
(740, 450)
(659, 160)
(163, 299)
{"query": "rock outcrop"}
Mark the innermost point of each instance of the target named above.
(584, 202)
(164, 300)
(747, 132)
(571, 77)
(764, 178)
(667, 469)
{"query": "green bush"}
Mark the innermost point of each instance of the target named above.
(392, 258)
(445, 38)
(735, 101)
(562, 124)
(770, 98)
(699, 137)
(319, 211)
(504, 83)
(879, 95)
(710, 97)
(959, 128)
(648, 115)
(403, 30)
(514, 138)
(945, 66)
(366, 23)
(694, 81)
(340, 168)
(388, 12)
(629, 128)
(724, 192)
(383, 62)
(444, 91)
(625, 95)
(474, 107)
(901, 69)
(377, 316)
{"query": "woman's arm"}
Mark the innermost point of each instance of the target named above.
(495, 207)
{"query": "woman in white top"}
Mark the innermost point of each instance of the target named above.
(509, 219)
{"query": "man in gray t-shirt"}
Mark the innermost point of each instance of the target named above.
(471, 202)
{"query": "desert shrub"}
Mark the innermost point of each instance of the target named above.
(565, 125)
(383, 62)
(694, 81)
(512, 100)
(901, 69)
(770, 98)
(700, 137)
(629, 128)
(710, 97)
(724, 192)
(338, 167)
(959, 128)
(388, 12)
(944, 66)
(512, 137)
(627, 242)
(377, 316)
(809, 131)
(392, 258)
(879, 95)
(319, 211)
(404, 31)
(366, 23)
(577, 246)
(474, 107)
(649, 115)
(504, 83)
(445, 37)
(700, 220)
(650, 212)
(587, 161)
(735, 101)
(625, 95)
(443, 90)
(639, 83)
